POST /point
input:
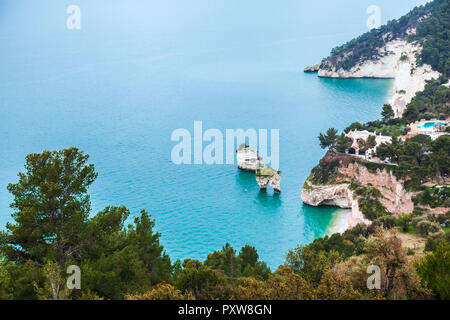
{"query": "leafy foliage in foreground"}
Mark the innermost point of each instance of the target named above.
(120, 261)
(434, 271)
(52, 230)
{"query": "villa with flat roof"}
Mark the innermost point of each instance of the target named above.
(364, 135)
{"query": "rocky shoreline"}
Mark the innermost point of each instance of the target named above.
(350, 173)
(312, 69)
(398, 62)
(338, 192)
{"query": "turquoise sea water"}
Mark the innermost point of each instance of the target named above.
(118, 87)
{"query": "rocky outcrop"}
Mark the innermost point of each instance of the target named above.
(348, 169)
(275, 182)
(313, 68)
(263, 182)
(338, 195)
(397, 61)
(328, 195)
(394, 198)
(344, 174)
(349, 182)
(248, 159)
(268, 176)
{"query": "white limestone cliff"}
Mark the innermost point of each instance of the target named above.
(269, 176)
(398, 61)
(328, 195)
(248, 159)
(334, 195)
(313, 68)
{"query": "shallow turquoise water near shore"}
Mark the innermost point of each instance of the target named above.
(118, 91)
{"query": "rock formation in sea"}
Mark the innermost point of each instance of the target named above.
(313, 68)
(248, 159)
(270, 176)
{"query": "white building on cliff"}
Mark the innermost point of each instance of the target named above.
(364, 135)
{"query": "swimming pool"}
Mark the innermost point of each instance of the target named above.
(429, 125)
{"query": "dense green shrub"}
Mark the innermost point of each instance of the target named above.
(433, 242)
(433, 33)
(404, 222)
(372, 209)
(426, 227)
(433, 102)
(433, 197)
(387, 222)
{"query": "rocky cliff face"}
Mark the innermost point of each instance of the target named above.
(347, 170)
(398, 61)
(341, 172)
(394, 198)
(336, 195)
(313, 68)
(275, 182)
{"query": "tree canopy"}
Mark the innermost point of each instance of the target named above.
(328, 140)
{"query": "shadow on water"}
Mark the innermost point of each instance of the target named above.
(269, 199)
(246, 180)
(377, 86)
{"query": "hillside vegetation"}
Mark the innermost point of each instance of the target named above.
(53, 228)
(431, 22)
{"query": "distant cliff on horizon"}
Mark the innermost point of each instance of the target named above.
(412, 50)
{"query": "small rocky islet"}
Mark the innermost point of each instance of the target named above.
(249, 160)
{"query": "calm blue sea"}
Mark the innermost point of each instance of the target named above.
(137, 70)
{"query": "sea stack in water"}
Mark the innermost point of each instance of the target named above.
(268, 175)
(248, 160)
(313, 68)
